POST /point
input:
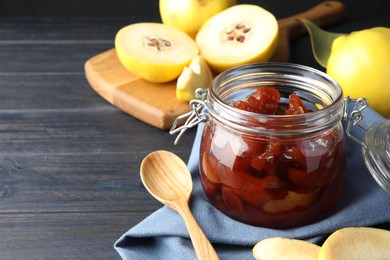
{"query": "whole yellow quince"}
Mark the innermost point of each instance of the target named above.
(189, 15)
(360, 63)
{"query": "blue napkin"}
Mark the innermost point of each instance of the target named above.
(163, 234)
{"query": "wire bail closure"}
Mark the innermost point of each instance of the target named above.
(194, 117)
(355, 117)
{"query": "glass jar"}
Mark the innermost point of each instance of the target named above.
(276, 171)
(281, 171)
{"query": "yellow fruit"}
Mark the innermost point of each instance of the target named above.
(360, 63)
(278, 248)
(189, 15)
(153, 51)
(278, 206)
(196, 75)
(304, 199)
(238, 35)
(356, 243)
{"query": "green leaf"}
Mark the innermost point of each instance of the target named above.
(321, 41)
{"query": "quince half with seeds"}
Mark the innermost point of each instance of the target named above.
(238, 35)
(154, 51)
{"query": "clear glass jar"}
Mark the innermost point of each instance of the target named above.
(276, 171)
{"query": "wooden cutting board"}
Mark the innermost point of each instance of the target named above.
(156, 104)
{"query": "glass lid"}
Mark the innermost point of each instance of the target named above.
(375, 144)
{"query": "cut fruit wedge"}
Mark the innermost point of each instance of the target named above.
(356, 243)
(153, 51)
(238, 35)
(278, 248)
(196, 75)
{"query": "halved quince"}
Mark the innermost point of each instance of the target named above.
(238, 35)
(153, 51)
(196, 75)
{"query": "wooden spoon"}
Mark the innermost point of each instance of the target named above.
(168, 179)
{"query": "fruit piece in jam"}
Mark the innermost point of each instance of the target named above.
(270, 181)
(265, 100)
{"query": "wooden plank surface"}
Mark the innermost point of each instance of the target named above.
(156, 103)
(69, 161)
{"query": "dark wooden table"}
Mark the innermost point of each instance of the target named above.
(69, 161)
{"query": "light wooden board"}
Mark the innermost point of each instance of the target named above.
(156, 104)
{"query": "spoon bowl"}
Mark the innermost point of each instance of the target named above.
(157, 177)
(168, 179)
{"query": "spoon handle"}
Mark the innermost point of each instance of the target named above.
(202, 246)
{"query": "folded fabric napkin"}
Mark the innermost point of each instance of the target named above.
(163, 234)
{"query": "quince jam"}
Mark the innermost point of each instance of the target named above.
(275, 181)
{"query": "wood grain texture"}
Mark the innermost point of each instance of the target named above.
(69, 161)
(156, 104)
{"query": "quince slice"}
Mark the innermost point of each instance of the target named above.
(238, 35)
(304, 199)
(278, 206)
(285, 248)
(196, 75)
(356, 243)
(154, 51)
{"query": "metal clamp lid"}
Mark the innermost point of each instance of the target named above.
(355, 117)
(194, 117)
(376, 144)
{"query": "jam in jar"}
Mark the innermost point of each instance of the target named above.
(273, 152)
